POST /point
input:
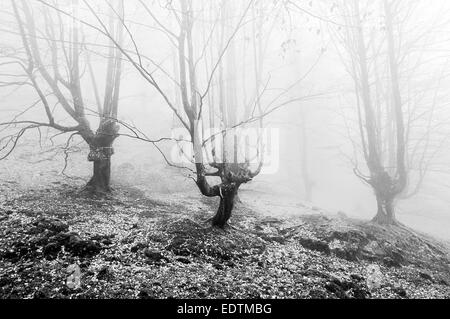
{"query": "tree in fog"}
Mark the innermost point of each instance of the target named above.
(214, 114)
(388, 116)
(55, 60)
(219, 89)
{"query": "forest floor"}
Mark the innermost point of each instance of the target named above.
(145, 242)
(133, 246)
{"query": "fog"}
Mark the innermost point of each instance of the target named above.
(293, 67)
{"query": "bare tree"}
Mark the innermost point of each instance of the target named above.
(55, 58)
(214, 158)
(385, 116)
(226, 103)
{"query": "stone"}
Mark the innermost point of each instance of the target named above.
(41, 294)
(138, 246)
(145, 294)
(374, 277)
(313, 244)
(356, 277)
(106, 242)
(53, 225)
(425, 276)
(359, 293)
(336, 290)
(73, 281)
(103, 239)
(401, 292)
(51, 250)
(39, 240)
(389, 262)
(104, 273)
(154, 255)
(83, 248)
(183, 260)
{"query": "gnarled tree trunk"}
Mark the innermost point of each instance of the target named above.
(386, 213)
(386, 191)
(227, 200)
(100, 155)
(100, 181)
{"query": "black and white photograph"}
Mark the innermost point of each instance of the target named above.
(223, 155)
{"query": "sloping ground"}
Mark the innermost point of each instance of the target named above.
(134, 246)
(392, 246)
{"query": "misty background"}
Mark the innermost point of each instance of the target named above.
(318, 137)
